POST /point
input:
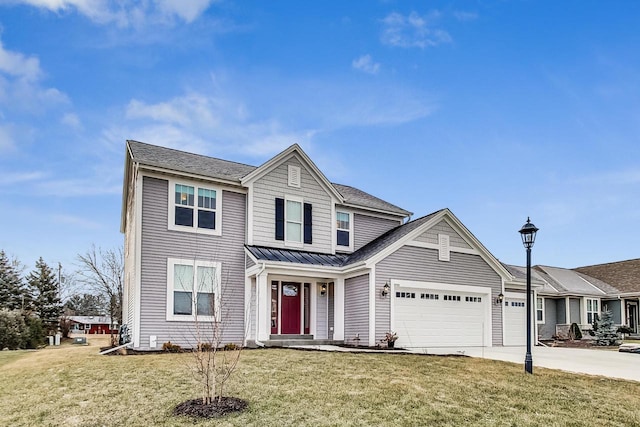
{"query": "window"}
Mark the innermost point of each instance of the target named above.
(293, 220)
(193, 289)
(194, 208)
(540, 310)
(343, 227)
(592, 310)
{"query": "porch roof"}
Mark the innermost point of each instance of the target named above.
(262, 253)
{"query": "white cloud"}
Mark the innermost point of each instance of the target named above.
(10, 178)
(366, 64)
(7, 141)
(124, 13)
(463, 16)
(72, 120)
(413, 30)
(18, 65)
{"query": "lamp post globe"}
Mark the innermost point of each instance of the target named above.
(528, 234)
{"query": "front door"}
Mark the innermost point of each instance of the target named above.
(633, 316)
(291, 307)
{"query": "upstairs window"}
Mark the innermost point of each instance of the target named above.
(343, 229)
(193, 289)
(593, 312)
(293, 220)
(194, 208)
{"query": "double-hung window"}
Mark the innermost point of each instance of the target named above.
(194, 208)
(293, 221)
(539, 309)
(193, 289)
(592, 310)
(344, 230)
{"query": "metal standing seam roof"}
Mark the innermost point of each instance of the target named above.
(182, 161)
(262, 253)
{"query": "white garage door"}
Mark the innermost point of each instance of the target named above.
(440, 318)
(515, 320)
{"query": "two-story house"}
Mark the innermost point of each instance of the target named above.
(279, 252)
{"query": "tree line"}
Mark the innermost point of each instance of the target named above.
(37, 304)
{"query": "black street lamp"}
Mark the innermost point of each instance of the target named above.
(528, 233)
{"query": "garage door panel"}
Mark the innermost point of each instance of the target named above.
(439, 318)
(515, 321)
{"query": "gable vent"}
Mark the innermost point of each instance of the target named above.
(294, 176)
(443, 247)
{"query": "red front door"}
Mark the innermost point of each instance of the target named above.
(290, 308)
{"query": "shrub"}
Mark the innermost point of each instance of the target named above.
(12, 329)
(231, 346)
(574, 332)
(171, 348)
(624, 329)
(34, 334)
(606, 334)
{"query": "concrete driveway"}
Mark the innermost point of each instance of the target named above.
(607, 363)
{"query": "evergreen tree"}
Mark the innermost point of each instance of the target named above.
(605, 331)
(86, 305)
(47, 304)
(13, 295)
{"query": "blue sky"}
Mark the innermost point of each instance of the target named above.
(498, 110)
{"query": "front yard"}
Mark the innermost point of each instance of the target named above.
(74, 386)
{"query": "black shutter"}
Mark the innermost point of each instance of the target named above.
(279, 219)
(308, 224)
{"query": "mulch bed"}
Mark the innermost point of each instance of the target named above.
(195, 407)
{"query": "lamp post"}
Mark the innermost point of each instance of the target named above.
(528, 234)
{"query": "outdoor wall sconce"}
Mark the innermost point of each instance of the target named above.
(500, 299)
(386, 289)
(323, 289)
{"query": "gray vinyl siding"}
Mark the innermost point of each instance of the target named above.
(561, 311)
(249, 262)
(547, 329)
(356, 310)
(159, 244)
(275, 184)
(131, 281)
(431, 236)
(421, 264)
(367, 228)
(331, 310)
(574, 311)
(614, 306)
(322, 330)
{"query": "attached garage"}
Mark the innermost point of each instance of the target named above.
(515, 319)
(440, 315)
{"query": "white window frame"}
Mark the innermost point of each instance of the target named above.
(541, 299)
(287, 241)
(592, 312)
(350, 230)
(195, 229)
(171, 263)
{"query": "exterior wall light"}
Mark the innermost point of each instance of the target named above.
(386, 289)
(500, 299)
(323, 289)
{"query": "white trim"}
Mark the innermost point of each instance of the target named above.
(249, 334)
(338, 309)
(394, 215)
(335, 230)
(585, 316)
(444, 251)
(171, 225)
(171, 263)
(567, 310)
(313, 309)
(293, 243)
(371, 212)
(372, 307)
(249, 215)
(138, 257)
(263, 308)
(166, 174)
(293, 176)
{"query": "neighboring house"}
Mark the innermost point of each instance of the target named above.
(278, 252)
(91, 325)
(625, 277)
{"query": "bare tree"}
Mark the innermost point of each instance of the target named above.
(102, 271)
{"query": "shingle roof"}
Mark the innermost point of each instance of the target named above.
(569, 281)
(262, 253)
(623, 275)
(181, 161)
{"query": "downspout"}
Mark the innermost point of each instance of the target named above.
(264, 267)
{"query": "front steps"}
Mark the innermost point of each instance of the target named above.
(295, 340)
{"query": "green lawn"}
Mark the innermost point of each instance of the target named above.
(74, 386)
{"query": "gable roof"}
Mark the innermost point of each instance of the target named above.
(233, 172)
(623, 275)
(567, 281)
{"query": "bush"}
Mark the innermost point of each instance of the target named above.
(624, 329)
(171, 348)
(606, 334)
(574, 332)
(231, 346)
(34, 336)
(12, 329)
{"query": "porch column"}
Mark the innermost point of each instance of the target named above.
(263, 310)
(567, 311)
(338, 309)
